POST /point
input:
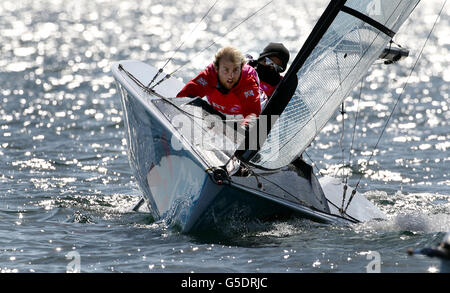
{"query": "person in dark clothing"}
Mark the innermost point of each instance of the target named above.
(271, 62)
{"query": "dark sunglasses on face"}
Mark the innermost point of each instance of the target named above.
(268, 62)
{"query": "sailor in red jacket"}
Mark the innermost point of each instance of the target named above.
(230, 85)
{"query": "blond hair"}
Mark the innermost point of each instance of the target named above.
(230, 54)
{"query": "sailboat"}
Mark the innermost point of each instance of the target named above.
(198, 169)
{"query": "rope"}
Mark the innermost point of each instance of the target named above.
(396, 102)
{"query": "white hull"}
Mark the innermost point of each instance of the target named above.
(180, 186)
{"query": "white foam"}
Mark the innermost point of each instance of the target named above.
(411, 222)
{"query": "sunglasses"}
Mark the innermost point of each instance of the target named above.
(268, 62)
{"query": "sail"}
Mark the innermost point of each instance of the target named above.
(347, 39)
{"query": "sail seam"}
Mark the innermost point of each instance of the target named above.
(369, 20)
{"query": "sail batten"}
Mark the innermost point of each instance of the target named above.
(369, 20)
(348, 38)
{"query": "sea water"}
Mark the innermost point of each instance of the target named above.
(66, 188)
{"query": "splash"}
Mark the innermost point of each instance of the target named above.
(414, 213)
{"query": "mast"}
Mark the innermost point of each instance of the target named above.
(348, 37)
(283, 93)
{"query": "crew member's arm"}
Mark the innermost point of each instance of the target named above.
(252, 104)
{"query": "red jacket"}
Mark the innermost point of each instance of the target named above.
(268, 88)
(243, 98)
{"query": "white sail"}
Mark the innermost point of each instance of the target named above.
(353, 41)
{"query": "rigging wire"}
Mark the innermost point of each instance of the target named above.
(396, 103)
(314, 164)
(341, 140)
(344, 178)
(147, 90)
(213, 43)
(182, 43)
(351, 148)
(329, 201)
(356, 121)
(256, 175)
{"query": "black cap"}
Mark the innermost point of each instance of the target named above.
(278, 50)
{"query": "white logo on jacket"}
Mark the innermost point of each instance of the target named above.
(249, 93)
(202, 81)
(217, 106)
(235, 109)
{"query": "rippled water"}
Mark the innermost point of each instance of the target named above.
(66, 185)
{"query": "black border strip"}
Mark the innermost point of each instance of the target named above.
(368, 20)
